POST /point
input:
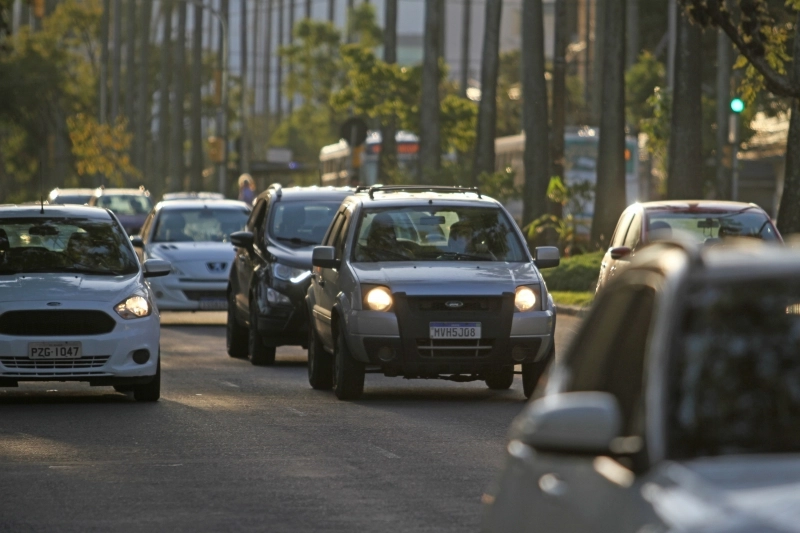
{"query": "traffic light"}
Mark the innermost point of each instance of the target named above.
(737, 105)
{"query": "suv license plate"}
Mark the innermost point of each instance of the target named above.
(455, 330)
(54, 350)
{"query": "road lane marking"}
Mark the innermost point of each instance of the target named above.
(385, 453)
(229, 384)
(295, 411)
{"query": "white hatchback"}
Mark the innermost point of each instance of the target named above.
(74, 304)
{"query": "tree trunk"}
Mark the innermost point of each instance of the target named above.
(487, 109)
(143, 100)
(279, 75)
(724, 54)
(268, 69)
(161, 159)
(789, 212)
(103, 89)
(331, 10)
(176, 163)
(290, 67)
(534, 113)
(196, 169)
(244, 139)
(116, 61)
(130, 61)
(600, 15)
(465, 42)
(559, 89)
(430, 146)
(610, 189)
(387, 160)
(685, 155)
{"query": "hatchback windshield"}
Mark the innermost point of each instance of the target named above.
(736, 381)
(202, 224)
(64, 245)
(301, 223)
(437, 234)
(711, 227)
(126, 204)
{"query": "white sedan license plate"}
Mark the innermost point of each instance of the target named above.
(455, 330)
(54, 350)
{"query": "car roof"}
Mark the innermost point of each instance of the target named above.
(51, 210)
(307, 193)
(698, 206)
(135, 192)
(72, 191)
(199, 203)
(419, 198)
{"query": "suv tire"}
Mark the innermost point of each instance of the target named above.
(500, 379)
(150, 392)
(320, 362)
(260, 355)
(235, 333)
(348, 374)
(532, 372)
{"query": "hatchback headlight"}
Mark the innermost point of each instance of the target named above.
(527, 298)
(287, 273)
(134, 307)
(378, 299)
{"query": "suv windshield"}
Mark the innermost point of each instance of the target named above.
(735, 383)
(64, 245)
(436, 234)
(202, 224)
(711, 227)
(301, 223)
(126, 204)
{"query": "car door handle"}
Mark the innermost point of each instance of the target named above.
(552, 485)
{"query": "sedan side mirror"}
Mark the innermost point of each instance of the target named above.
(619, 252)
(155, 268)
(571, 422)
(546, 257)
(324, 257)
(137, 241)
(242, 239)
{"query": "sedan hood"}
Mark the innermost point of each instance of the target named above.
(479, 278)
(192, 251)
(66, 287)
(736, 493)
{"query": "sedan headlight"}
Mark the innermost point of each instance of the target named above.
(378, 299)
(287, 273)
(133, 307)
(527, 298)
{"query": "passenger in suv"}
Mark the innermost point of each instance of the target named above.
(272, 269)
(427, 282)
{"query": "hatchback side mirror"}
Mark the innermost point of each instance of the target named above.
(137, 241)
(324, 257)
(155, 268)
(546, 257)
(619, 252)
(242, 239)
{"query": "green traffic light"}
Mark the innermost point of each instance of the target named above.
(737, 105)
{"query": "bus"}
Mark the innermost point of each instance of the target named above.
(334, 159)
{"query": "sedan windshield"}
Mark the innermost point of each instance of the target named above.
(77, 245)
(437, 234)
(200, 224)
(735, 387)
(301, 223)
(711, 227)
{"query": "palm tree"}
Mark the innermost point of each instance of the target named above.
(196, 167)
(430, 151)
(176, 166)
(487, 110)
(162, 164)
(388, 155)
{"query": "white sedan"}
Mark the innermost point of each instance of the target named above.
(74, 305)
(194, 236)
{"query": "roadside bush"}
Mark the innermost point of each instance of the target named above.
(576, 273)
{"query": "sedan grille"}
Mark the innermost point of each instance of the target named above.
(91, 361)
(56, 323)
(454, 347)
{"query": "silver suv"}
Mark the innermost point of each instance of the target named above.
(427, 282)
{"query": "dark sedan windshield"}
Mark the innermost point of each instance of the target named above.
(735, 387)
(78, 245)
(711, 227)
(437, 234)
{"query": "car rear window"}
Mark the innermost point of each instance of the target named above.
(201, 224)
(711, 227)
(126, 204)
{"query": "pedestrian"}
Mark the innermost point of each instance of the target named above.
(247, 189)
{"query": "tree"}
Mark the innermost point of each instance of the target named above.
(142, 118)
(161, 151)
(196, 167)
(101, 149)
(430, 155)
(176, 162)
(487, 109)
(388, 156)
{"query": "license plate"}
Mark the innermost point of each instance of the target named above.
(213, 305)
(455, 330)
(54, 350)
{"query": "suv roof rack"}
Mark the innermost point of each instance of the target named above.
(278, 188)
(417, 188)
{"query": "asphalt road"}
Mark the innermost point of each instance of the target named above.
(232, 447)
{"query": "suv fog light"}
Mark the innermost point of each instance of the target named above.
(386, 353)
(142, 356)
(518, 353)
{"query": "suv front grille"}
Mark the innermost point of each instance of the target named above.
(56, 323)
(205, 295)
(454, 347)
(91, 361)
(490, 304)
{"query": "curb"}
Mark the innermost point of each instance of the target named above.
(572, 310)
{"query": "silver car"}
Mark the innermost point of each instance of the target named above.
(432, 283)
(677, 408)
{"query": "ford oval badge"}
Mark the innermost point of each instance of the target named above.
(53, 304)
(454, 304)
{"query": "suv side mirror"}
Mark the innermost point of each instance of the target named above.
(155, 268)
(571, 422)
(546, 257)
(137, 241)
(619, 252)
(324, 257)
(242, 239)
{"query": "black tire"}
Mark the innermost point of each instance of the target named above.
(150, 392)
(320, 362)
(532, 372)
(260, 355)
(235, 334)
(348, 374)
(500, 380)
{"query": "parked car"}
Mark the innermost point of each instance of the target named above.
(429, 282)
(707, 222)
(272, 269)
(131, 206)
(195, 237)
(676, 407)
(74, 305)
(70, 196)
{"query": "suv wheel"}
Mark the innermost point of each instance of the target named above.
(501, 379)
(531, 372)
(348, 374)
(320, 362)
(150, 392)
(235, 333)
(260, 355)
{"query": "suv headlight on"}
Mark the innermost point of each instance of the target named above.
(134, 306)
(287, 273)
(377, 298)
(528, 298)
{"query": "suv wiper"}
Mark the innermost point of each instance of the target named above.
(295, 240)
(458, 256)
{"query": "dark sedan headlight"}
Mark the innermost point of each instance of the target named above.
(528, 298)
(134, 306)
(287, 273)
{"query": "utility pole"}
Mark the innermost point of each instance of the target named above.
(308, 9)
(116, 62)
(291, 41)
(103, 90)
(465, 42)
(331, 10)
(162, 152)
(244, 156)
(196, 129)
(724, 56)
(222, 114)
(279, 74)
(130, 61)
(143, 107)
(176, 160)
(268, 68)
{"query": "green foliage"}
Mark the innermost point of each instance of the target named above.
(363, 26)
(576, 273)
(509, 94)
(641, 80)
(101, 149)
(577, 298)
(568, 227)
